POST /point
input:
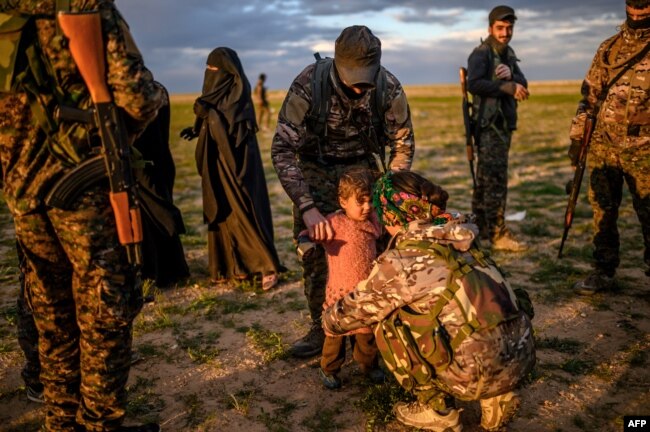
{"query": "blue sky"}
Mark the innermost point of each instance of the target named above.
(423, 41)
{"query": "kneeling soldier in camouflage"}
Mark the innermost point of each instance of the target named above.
(447, 323)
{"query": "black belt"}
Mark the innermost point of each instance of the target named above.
(335, 160)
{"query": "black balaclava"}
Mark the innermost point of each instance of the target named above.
(638, 24)
(226, 90)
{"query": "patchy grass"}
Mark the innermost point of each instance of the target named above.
(378, 400)
(267, 342)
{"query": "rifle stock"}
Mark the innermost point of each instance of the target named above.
(574, 193)
(467, 119)
(84, 34)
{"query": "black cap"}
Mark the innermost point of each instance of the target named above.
(357, 54)
(502, 13)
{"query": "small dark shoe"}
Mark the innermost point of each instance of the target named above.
(595, 282)
(311, 344)
(331, 382)
(35, 393)
(376, 375)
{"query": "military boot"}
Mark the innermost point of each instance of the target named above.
(422, 416)
(311, 344)
(497, 411)
(595, 282)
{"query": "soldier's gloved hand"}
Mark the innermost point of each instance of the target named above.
(574, 152)
(189, 133)
(503, 72)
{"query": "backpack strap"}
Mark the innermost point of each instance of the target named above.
(320, 93)
(458, 267)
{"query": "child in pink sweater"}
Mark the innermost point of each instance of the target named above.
(350, 256)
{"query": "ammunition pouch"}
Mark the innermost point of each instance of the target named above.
(68, 188)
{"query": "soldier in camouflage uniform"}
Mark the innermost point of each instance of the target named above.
(620, 145)
(309, 166)
(496, 83)
(81, 289)
(440, 340)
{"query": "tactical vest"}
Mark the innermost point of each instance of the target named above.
(24, 69)
(316, 120)
(414, 345)
(487, 110)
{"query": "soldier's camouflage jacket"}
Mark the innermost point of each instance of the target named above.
(347, 120)
(623, 122)
(488, 362)
(28, 167)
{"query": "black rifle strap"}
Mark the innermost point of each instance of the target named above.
(603, 93)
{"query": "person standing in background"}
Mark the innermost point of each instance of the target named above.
(261, 101)
(497, 84)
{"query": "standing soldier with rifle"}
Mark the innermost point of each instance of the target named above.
(616, 94)
(82, 285)
(497, 84)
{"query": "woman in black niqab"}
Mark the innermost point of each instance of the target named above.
(235, 198)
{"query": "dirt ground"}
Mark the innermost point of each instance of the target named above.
(213, 358)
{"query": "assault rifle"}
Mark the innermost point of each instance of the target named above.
(84, 34)
(469, 129)
(574, 189)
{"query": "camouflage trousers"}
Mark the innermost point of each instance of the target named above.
(609, 167)
(490, 194)
(84, 296)
(487, 364)
(323, 183)
(27, 332)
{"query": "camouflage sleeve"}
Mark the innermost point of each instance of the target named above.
(28, 7)
(132, 84)
(590, 90)
(398, 127)
(289, 136)
(388, 287)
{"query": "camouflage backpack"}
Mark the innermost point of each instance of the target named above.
(23, 69)
(321, 91)
(414, 345)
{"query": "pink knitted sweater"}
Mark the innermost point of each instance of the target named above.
(350, 255)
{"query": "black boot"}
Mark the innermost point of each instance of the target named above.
(311, 344)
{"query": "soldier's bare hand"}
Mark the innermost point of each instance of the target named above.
(319, 227)
(503, 72)
(521, 92)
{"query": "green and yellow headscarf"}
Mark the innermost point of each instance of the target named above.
(395, 207)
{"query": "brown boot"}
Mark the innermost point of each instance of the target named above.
(506, 241)
(497, 411)
(596, 281)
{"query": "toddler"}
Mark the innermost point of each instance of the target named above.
(350, 255)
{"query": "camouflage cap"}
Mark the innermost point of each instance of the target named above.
(502, 13)
(357, 55)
